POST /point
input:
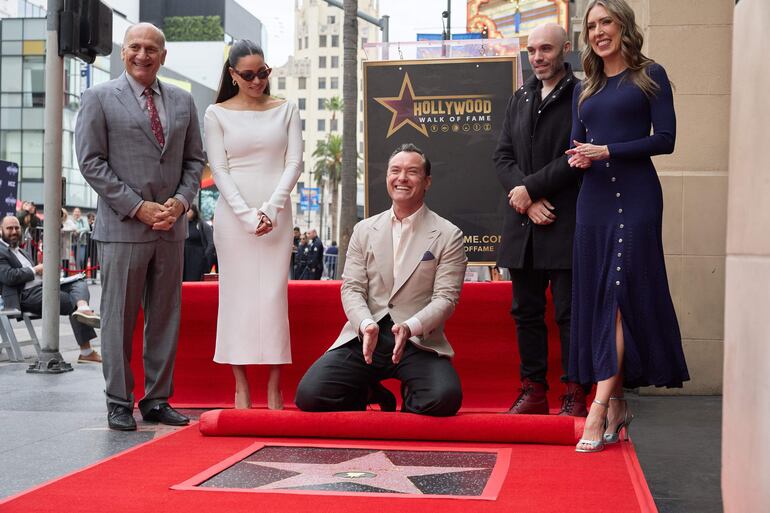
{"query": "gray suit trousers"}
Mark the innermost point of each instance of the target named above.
(149, 275)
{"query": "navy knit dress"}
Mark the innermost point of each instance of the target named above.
(618, 252)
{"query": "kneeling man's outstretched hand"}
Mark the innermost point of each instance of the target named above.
(402, 334)
(371, 332)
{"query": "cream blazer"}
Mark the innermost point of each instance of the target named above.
(427, 287)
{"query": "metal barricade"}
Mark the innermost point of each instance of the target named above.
(79, 252)
(330, 266)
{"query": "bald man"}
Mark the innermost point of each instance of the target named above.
(315, 255)
(139, 147)
(539, 222)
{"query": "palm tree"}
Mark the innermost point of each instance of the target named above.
(349, 210)
(328, 171)
(334, 105)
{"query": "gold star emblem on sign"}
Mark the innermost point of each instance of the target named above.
(402, 107)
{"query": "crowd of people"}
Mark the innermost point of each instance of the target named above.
(309, 259)
(78, 250)
(584, 219)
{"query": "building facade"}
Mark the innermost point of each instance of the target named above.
(22, 8)
(237, 22)
(312, 77)
(515, 18)
(22, 106)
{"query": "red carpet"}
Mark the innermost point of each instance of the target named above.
(466, 427)
(539, 478)
(481, 332)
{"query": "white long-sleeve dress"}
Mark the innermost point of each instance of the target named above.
(255, 157)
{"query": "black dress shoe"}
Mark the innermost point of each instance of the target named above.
(120, 418)
(165, 414)
(378, 394)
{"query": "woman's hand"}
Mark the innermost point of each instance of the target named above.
(578, 161)
(583, 153)
(265, 225)
(590, 151)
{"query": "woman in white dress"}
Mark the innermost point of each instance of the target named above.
(254, 147)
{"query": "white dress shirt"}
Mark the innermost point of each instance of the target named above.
(157, 98)
(402, 231)
(24, 261)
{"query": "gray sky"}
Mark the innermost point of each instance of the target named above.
(407, 18)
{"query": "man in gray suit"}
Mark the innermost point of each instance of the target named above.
(139, 147)
(403, 274)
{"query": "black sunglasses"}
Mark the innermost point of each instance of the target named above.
(249, 75)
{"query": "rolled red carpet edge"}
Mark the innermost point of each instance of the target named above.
(376, 425)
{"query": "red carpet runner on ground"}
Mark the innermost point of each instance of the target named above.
(538, 478)
(465, 427)
(481, 332)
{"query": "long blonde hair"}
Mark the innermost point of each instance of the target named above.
(631, 41)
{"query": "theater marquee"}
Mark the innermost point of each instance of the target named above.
(453, 109)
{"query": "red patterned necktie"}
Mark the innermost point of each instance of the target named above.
(155, 125)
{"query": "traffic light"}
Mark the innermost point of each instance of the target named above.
(85, 29)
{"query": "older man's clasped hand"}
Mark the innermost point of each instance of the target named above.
(160, 217)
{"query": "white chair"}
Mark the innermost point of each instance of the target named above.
(9, 341)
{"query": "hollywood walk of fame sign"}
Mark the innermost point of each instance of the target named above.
(359, 469)
(452, 109)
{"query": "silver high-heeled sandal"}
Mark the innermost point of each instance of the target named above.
(594, 445)
(613, 438)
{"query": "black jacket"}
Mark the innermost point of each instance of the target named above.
(530, 152)
(207, 238)
(13, 277)
(315, 257)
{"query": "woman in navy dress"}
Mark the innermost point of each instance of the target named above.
(624, 328)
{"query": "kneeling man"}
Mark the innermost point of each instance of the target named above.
(402, 278)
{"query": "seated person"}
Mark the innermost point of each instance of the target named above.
(22, 289)
(402, 278)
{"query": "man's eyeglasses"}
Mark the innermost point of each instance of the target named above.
(249, 75)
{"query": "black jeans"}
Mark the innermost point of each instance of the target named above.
(340, 379)
(528, 310)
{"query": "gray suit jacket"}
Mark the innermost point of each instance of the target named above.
(427, 287)
(121, 159)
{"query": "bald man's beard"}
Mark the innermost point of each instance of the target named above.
(555, 68)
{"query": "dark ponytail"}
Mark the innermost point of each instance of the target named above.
(242, 48)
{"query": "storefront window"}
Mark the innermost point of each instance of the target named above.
(10, 74)
(10, 119)
(12, 29)
(10, 145)
(33, 81)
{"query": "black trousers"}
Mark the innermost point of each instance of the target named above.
(340, 379)
(69, 295)
(528, 310)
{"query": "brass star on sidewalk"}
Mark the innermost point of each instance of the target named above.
(374, 470)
